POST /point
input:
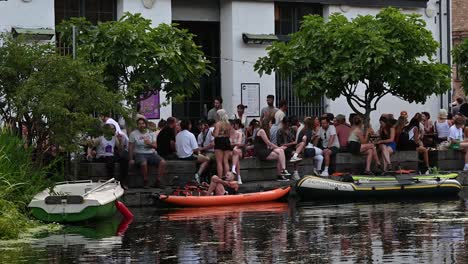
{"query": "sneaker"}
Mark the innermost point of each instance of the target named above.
(282, 178)
(428, 172)
(315, 172)
(197, 178)
(285, 173)
(368, 173)
(296, 176)
(239, 180)
(465, 168)
(324, 174)
(295, 159)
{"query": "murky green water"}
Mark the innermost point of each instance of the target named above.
(397, 232)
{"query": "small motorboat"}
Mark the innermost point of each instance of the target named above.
(314, 188)
(399, 176)
(77, 201)
(219, 200)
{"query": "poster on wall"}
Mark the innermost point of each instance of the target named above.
(150, 107)
(250, 96)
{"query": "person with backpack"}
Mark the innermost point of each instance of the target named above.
(410, 140)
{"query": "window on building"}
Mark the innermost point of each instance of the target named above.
(288, 17)
(94, 10)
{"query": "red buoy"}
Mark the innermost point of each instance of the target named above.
(123, 210)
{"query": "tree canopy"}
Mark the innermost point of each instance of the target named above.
(139, 59)
(390, 53)
(460, 53)
(53, 96)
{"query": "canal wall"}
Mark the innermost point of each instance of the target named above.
(258, 175)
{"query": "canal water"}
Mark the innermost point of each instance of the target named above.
(294, 232)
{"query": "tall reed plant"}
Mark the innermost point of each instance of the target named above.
(20, 180)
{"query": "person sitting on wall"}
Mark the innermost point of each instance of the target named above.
(329, 142)
(166, 140)
(387, 144)
(357, 145)
(442, 126)
(237, 139)
(286, 138)
(308, 136)
(141, 151)
(266, 150)
(219, 186)
(106, 145)
(412, 132)
(187, 148)
(342, 132)
(456, 139)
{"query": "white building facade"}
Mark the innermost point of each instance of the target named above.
(220, 25)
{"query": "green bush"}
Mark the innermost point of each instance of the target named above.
(20, 180)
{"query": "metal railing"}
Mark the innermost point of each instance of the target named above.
(296, 107)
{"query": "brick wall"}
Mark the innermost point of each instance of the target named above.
(459, 32)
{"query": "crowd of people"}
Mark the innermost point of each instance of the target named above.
(221, 142)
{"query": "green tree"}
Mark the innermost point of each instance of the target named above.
(140, 59)
(390, 53)
(460, 54)
(53, 96)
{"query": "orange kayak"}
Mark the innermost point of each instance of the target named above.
(204, 201)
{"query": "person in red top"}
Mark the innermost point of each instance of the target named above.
(342, 131)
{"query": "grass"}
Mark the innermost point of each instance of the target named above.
(20, 180)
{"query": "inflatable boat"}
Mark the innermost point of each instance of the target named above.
(219, 200)
(315, 188)
(416, 177)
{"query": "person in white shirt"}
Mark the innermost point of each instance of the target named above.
(108, 120)
(106, 145)
(330, 143)
(281, 113)
(187, 148)
(206, 140)
(142, 151)
(241, 115)
(456, 138)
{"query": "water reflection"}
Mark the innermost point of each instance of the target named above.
(403, 232)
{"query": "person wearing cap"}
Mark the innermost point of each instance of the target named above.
(442, 126)
(241, 115)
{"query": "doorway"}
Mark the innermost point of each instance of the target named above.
(207, 36)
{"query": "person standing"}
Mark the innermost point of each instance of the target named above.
(279, 116)
(456, 108)
(269, 110)
(241, 115)
(217, 105)
(222, 144)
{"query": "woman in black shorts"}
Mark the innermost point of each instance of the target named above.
(265, 150)
(222, 146)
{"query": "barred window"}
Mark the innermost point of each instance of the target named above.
(288, 17)
(94, 10)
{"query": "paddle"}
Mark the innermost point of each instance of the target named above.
(98, 187)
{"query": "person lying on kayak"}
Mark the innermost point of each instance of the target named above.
(219, 186)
